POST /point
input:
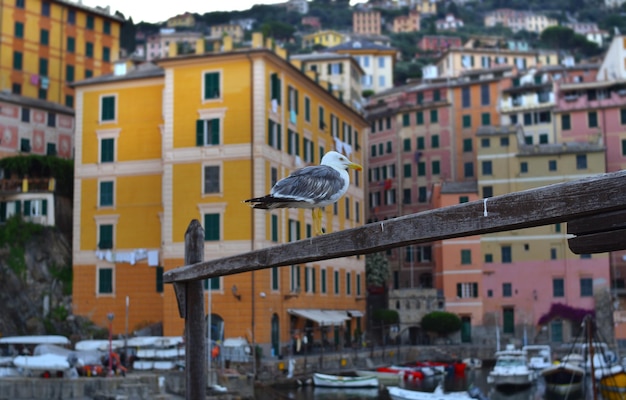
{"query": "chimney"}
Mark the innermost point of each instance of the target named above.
(200, 46)
(257, 40)
(227, 43)
(281, 52)
(172, 49)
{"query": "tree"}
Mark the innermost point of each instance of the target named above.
(277, 30)
(441, 322)
(376, 269)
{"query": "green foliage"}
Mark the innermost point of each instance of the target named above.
(63, 275)
(277, 30)
(59, 313)
(37, 166)
(560, 38)
(441, 322)
(386, 316)
(14, 234)
(376, 269)
(367, 93)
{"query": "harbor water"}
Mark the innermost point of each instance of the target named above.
(451, 382)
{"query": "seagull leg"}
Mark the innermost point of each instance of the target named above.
(317, 221)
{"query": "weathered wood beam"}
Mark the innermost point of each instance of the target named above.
(195, 343)
(557, 203)
(598, 233)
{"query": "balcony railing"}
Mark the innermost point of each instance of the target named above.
(27, 185)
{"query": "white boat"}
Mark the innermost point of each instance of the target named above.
(473, 363)
(511, 371)
(35, 340)
(11, 345)
(564, 378)
(397, 393)
(384, 378)
(339, 381)
(325, 393)
(98, 345)
(539, 356)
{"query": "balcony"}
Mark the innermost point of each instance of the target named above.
(27, 185)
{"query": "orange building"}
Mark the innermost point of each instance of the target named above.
(366, 22)
(407, 23)
(46, 45)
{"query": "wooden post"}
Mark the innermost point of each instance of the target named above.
(195, 338)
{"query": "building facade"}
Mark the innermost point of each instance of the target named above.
(48, 44)
(406, 23)
(366, 22)
(218, 128)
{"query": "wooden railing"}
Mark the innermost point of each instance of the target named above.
(27, 185)
(594, 209)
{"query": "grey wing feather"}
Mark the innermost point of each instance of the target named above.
(317, 183)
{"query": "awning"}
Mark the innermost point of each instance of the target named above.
(322, 317)
(355, 313)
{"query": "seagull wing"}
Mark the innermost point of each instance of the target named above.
(310, 184)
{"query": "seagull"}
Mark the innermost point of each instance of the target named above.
(312, 187)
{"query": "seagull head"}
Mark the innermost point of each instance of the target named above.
(339, 161)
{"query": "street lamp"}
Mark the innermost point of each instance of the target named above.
(110, 318)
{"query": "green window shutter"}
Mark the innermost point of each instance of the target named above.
(307, 109)
(107, 148)
(419, 118)
(215, 131)
(211, 85)
(18, 207)
(435, 141)
(275, 87)
(279, 137)
(289, 140)
(459, 290)
(436, 168)
(298, 237)
(270, 130)
(108, 108)
(306, 278)
(274, 228)
(467, 121)
(44, 207)
(106, 237)
(297, 144)
(421, 168)
(105, 280)
(406, 120)
(27, 207)
(296, 100)
(434, 116)
(274, 278)
(211, 227)
(475, 289)
(159, 279)
(420, 143)
(106, 193)
(3, 211)
(200, 132)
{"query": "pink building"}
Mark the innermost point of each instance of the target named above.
(313, 22)
(438, 43)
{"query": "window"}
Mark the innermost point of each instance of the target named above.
(25, 114)
(348, 283)
(107, 108)
(421, 168)
(105, 280)
(466, 256)
(467, 121)
(293, 142)
(592, 119)
(107, 150)
(421, 194)
(307, 109)
(18, 30)
(419, 118)
(407, 170)
(623, 147)
(528, 119)
(406, 144)
(485, 119)
(159, 279)
(406, 196)
(88, 73)
(322, 124)
(69, 73)
(586, 287)
(347, 207)
(434, 116)
(20, 3)
(90, 22)
(336, 278)
(507, 290)
(523, 167)
(435, 167)
(406, 120)
(207, 132)
(468, 169)
(294, 230)
(212, 179)
(212, 227)
(105, 236)
(487, 191)
(488, 258)
(212, 284)
(434, 141)
(463, 199)
(106, 193)
(622, 116)
(17, 60)
(44, 37)
(323, 281)
(552, 165)
(42, 94)
(487, 168)
(421, 143)
(16, 88)
(504, 141)
(69, 100)
(543, 138)
(566, 122)
(211, 85)
(275, 278)
(558, 287)
(275, 91)
(89, 50)
(467, 144)
(467, 290)
(506, 255)
(106, 54)
(485, 143)
(581, 161)
(43, 66)
(106, 27)
(71, 17)
(484, 95)
(51, 149)
(465, 97)
(274, 135)
(553, 253)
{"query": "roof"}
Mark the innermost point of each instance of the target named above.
(35, 103)
(592, 85)
(145, 70)
(559, 148)
(360, 45)
(103, 12)
(459, 187)
(497, 130)
(319, 56)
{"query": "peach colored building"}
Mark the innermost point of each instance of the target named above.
(407, 23)
(366, 22)
(438, 43)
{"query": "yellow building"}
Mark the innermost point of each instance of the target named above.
(185, 20)
(322, 38)
(46, 45)
(426, 7)
(458, 60)
(233, 30)
(191, 139)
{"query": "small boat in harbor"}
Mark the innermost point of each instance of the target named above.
(387, 378)
(397, 393)
(511, 372)
(340, 381)
(612, 382)
(564, 378)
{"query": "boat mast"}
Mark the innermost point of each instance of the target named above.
(590, 327)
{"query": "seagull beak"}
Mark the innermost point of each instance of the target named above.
(356, 166)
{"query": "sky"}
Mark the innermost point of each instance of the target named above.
(151, 12)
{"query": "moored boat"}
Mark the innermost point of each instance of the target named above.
(386, 378)
(397, 393)
(340, 381)
(612, 383)
(511, 371)
(564, 378)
